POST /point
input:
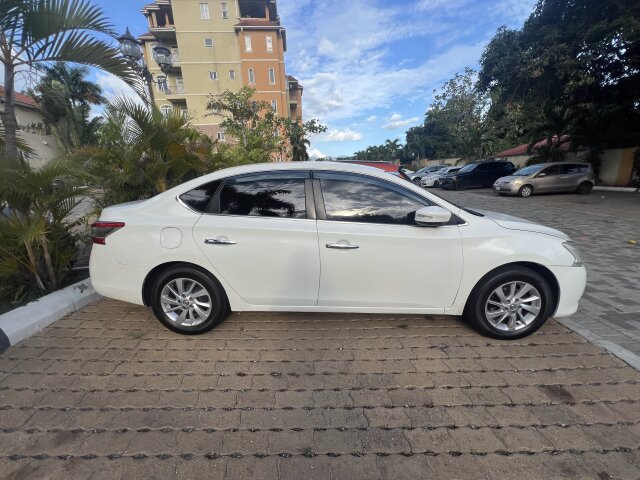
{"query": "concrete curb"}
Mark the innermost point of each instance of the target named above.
(620, 352)
(23, 322)
(615, 189)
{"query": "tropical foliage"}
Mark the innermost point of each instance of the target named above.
(38, 32)
(37, 243)
(65, 96)
(141, 152)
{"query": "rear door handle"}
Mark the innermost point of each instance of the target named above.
(342, 246)
(219, 241)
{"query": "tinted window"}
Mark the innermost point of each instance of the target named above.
(266, 196)
(468, 167)
(199, 198)
(577, 168)
(359, 199)
(505, 166)
(483, 167)
(554, 170)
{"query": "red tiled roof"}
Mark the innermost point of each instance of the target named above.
(21, 98)
(523, 149)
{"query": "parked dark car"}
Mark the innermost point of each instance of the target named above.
(478, 174)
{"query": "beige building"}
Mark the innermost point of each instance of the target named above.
(32, 129)
(217, 46)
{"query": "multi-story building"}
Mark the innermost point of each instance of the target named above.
(219, 45)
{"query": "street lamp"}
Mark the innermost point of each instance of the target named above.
(131, 51)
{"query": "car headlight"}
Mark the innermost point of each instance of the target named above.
(573, 250)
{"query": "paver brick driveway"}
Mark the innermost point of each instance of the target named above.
(109, 393)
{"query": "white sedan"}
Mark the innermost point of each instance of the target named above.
(433, 179)
(329, 237)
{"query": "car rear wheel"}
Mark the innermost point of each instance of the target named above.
(436, 183)
(584, 188)
(525, 191)
(187, 301)
(510, 303)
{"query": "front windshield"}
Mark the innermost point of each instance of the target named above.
(467, 168)
(523, 172)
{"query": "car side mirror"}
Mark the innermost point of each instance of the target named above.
(432, 216)
(542, 174)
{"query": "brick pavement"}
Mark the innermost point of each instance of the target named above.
(109, 393)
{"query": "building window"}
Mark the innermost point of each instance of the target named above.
(213, 75)
(269, 43)
(221, 136)
(272, 76)
(252, 76)
(247, 42)
(208, 42)
(162, 83)
(225, 12)
(204, 11)
(166, 110)
(274, 105)
(185, 112)
(232, 74)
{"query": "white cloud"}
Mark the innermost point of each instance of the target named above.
(112, 86)
(314, 153)
(396, 121)
(334, 135)
(372, 118)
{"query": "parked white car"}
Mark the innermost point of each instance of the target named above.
(329, 237)
(433, 179)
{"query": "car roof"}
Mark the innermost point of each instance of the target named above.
(549, 164)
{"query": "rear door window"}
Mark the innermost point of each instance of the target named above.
(266, 195)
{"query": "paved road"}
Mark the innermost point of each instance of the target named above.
(109, 393)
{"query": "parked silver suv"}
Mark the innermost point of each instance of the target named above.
(547, 177)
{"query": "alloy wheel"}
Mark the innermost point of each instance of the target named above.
(186, 302)
(513, 306)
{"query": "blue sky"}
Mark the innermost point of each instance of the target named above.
(368, 67)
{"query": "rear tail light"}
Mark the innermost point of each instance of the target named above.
(101, 230)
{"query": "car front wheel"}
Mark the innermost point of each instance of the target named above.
(584, 188)
(510, 303)
(525, 191)
(187, 301)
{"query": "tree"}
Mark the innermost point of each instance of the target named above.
(65, 97)
(37, 32)
(142, 152)
(254, 123)
(297, 135)
(580, 57)
(37, 246)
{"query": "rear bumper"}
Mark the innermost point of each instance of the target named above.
(115, 280)
(572, 281)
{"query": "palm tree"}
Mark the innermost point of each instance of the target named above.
(65, 96)
(142, 152)
(298, 142)
(36, 244)
(36, 32)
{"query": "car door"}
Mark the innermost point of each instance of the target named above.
(260, 235)
(373, 256)
(570, 177)
(548, 179)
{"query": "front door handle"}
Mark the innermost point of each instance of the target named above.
(342, 246)
(219, 241)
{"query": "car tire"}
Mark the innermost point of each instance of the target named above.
(417, 181)
(459, 185)
(513, 317)
(177, 310)
(584, 188)
(525, 191)
(436, 183)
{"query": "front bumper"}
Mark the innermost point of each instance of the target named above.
(506, 189)
(571, 281)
